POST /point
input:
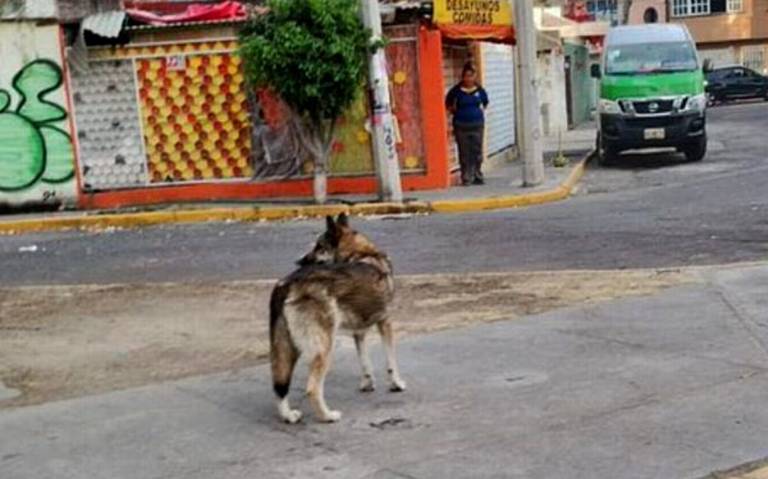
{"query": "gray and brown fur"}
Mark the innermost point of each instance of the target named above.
(344, 282)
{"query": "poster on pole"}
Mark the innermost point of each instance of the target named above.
(489, 20)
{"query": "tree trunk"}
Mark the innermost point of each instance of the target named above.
(321, 182)
(324, 138)
(318, 141)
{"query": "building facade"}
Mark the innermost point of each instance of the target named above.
(727, 31)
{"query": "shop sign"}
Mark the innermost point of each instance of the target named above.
(473, 12)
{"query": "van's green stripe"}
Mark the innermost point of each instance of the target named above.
(615, 87)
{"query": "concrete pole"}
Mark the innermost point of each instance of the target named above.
(529, 115)
(385, 148)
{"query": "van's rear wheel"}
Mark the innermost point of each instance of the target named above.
(696, 151)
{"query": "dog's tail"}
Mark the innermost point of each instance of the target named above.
(283, 352)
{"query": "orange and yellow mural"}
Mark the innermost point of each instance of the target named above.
(195, 117)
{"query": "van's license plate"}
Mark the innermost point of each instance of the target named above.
(654, 133)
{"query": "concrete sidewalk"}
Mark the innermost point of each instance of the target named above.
(668, 386)
(504, 189)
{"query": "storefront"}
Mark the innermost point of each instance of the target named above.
(164, 114)
(481, 33)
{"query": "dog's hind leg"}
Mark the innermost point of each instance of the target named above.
(318, 368)
(367, 382)
(388, 338)
(283, 356)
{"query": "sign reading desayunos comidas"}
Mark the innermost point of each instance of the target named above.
(473, 12)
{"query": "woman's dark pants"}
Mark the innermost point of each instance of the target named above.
(469, 139)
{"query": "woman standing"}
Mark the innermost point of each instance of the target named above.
(466, 101)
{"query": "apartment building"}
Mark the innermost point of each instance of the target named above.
(727, 31)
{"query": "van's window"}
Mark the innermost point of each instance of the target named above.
(664, 57)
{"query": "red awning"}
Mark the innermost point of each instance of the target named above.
(486, 33)
(229, 10)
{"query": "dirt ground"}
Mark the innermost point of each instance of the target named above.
(68, 341)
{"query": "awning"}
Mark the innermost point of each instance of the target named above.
(104, 24)
(229, 10)
(486, 33)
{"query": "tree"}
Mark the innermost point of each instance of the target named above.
(312, 53)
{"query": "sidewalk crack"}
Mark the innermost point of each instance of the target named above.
(746, 321)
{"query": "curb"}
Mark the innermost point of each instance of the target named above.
(245, 213)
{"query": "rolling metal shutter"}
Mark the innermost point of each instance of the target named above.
(499, 82)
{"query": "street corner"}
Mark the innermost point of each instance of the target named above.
(455, 203)
(751, 470)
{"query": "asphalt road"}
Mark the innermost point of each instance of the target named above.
(652, 211)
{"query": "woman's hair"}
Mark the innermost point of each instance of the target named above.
(468, 68)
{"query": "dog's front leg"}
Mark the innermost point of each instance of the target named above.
(367, 383)
(388, 338)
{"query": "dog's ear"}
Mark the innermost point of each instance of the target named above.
(330, 224)
(333, 232)
(343, 220)
(305, 260)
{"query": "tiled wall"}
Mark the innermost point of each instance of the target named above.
(182, 113)
(195, 118)
(108, 131)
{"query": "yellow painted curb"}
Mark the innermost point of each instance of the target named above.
(751, 470)
(245, 213)
(562, 192)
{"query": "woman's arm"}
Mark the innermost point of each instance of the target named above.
(450, 100)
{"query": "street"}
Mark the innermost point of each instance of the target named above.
(653, 212)
(618, 334)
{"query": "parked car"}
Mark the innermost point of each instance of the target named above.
(735, 83)
(651, 92)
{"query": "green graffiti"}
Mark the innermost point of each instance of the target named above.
(22, 153)
(33, 82)
(32, 149)
(5, 100)
(59, 156)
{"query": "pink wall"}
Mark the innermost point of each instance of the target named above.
(637, 11)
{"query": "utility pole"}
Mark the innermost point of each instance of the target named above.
(529, 116)
(385, 148)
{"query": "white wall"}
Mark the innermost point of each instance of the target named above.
(36, 152)
(550, 70)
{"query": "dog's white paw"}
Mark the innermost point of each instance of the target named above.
(367, 385)
(331, 416)
(397, 386)
(291, 416)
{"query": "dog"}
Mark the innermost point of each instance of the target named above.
(344, 281)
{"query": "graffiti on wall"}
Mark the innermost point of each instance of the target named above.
(32, 148)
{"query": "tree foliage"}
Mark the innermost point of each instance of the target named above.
(311, 52)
